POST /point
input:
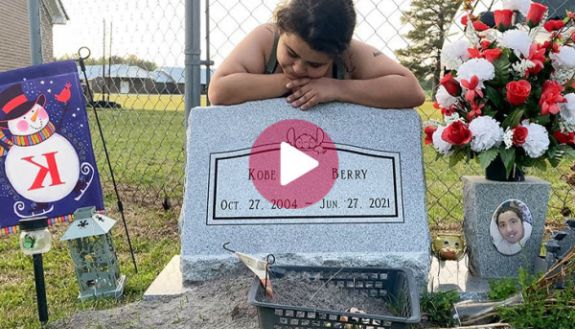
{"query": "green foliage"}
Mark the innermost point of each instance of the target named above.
(500, 289)
(431, 20)
(513, 120)
(439, 307)
(486, 157)
(541, 308)
(502, 67)
(508, 157)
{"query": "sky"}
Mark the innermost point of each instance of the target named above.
(154, 29)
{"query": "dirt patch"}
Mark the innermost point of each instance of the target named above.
(215, 304)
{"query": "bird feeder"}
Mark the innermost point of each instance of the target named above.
(92, 249)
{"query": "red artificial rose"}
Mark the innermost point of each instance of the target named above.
(551, 97)
(552, 46)
(503, 18)
(451, 85)
(448, 111)
(479, 26)
(554, 25)
(474, 53)
(537, 57)
(429, 130)
(564, 138)
(518, 92)
(492, 54)
(535, 14)
(485, 44)
(456, 133)
(519, 135)
(464, 20)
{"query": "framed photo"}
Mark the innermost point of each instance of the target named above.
(511, 226)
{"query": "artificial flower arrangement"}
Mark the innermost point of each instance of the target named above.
(508, 90)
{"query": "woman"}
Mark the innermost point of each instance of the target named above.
(308, 55)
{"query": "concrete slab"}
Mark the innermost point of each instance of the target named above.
(455, 275)
(168, 283)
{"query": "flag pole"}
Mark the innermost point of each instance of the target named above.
(91, 99)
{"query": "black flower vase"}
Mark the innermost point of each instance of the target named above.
(496, 171)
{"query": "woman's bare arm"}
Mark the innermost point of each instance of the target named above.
(377, 80)
(241, 76)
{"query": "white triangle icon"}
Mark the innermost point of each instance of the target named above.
(294, 163)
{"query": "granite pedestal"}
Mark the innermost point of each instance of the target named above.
(378, 219)
(481, 199)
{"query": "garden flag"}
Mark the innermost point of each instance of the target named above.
(47, 165)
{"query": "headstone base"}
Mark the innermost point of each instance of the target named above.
(481, 199)
(201, 268)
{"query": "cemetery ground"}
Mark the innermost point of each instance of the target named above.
(144, 181)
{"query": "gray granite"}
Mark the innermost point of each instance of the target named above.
(481, 199)
(394, 237)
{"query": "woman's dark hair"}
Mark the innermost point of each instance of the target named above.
(326, 25)
(509, 206)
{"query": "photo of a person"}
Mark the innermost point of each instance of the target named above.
(511, 226)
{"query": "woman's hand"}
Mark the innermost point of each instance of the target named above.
(307, 93)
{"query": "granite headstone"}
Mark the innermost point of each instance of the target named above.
(375, 218)
(490, 254)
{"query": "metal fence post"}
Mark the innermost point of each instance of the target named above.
(192, 60)
(35, 32)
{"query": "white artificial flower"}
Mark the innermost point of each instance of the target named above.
(568, 109)
(562, 76)
(566, 127)
(521, 5)
(508, 138)
(486, 133)
(517, 40)
(537, 140)
(444, 99)
(449, 119)
(522, 66)
(479, 67)
(439, 144)
(564, 59)
(454, 54)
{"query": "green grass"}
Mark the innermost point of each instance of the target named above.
(146, 148)
(154, 238)
(150, 102)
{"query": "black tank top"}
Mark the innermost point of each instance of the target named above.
(337, 72)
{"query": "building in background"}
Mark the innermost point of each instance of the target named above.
(120, 79)
(14, 31)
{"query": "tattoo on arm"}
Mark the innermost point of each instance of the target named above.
(377, 53)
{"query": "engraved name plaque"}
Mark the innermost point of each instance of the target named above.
(367, 189)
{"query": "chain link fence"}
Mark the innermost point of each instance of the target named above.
(146, 135)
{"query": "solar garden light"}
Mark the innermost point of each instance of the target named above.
(35, 239)
(92, 249)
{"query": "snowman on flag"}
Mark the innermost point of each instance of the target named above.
(40, 164)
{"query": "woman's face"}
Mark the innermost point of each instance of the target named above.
(298, 60)
(510, 226)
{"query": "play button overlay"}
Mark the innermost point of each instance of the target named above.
(292, 163)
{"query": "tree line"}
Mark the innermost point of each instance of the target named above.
(431, 20)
